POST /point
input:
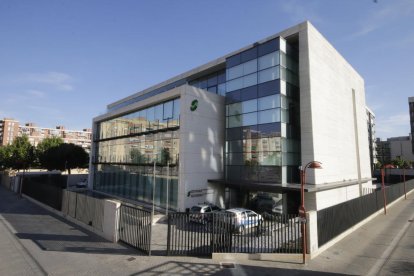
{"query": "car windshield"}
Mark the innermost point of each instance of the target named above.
(195, 209)
(215, 208)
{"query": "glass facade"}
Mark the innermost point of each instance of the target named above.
(262, 114)
(262, 129)
(214, 82)
(127, 147)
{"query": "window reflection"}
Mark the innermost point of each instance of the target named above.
(161, 116)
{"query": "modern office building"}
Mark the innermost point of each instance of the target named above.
(238, 128)
(395, 148)
(10, 129)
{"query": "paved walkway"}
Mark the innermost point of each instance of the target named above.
(34, 241)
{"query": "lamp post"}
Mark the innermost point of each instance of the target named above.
(405, 191)
(302, 210)
(387, 166)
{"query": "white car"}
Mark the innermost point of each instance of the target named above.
(244, 218)
(199, 213)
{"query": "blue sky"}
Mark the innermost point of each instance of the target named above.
(63, 61)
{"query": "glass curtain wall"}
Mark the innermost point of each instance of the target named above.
(262, 114)
(214, 82)
(127, 148)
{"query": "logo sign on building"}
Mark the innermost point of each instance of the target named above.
(194, 105)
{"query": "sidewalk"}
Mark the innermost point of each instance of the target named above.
(37, 242)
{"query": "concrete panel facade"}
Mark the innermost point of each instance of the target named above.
(201, 147)
(333, 119)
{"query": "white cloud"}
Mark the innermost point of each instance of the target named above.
(60, 81)
(299, 11)
(386, 13)
(393, 126)
(35, 93)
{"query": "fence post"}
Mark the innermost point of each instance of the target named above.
(312, 231)
(169, 235)
(111, 220)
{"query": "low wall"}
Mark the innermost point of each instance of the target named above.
(92, 210)
(326, 227)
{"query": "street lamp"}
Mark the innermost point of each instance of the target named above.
(302, 210)
(405, 191)
(387, 166)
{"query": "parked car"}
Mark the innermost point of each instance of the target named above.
(244, 218)
(266, 205)
(82, 184)
(200, 213)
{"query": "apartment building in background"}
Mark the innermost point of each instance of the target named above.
(10, 128)
(239, 127)
(411, 110)
(371, 138)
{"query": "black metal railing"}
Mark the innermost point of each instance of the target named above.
(135, 227)
(337, 219)
(46, 188)
(224, 233)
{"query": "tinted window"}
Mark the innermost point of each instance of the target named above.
(268, 47)
(212, 80)
(248, 93)
(249, 54)
(269, 130)
(233, 96)
(233, 61)
(234, 134)
(268, 88)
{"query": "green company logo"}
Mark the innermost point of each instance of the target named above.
(194, 105)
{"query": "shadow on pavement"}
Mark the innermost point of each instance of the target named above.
(183, 268)
(51, 232)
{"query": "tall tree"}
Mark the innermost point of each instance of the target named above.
(65, 157)
(43, 146)
(22, 153)
(5, 157)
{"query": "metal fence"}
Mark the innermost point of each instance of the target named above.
(221, 233)
(337, 219)
(135, 227)
(84, 207)
(46, 188)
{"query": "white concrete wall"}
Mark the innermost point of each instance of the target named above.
(327, 112)
(201, 146)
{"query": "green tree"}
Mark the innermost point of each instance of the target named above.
(65, 157)
(22, 153)
(165, 156)
(45, 145)
(5, 157)
(398, 162)
(137, 157)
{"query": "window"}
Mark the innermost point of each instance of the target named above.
(269, 102)
(269, 60)
(234, 84)
(168, 110)
(242, 107)
(269, 74)
(242, 69)
(269, 116)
